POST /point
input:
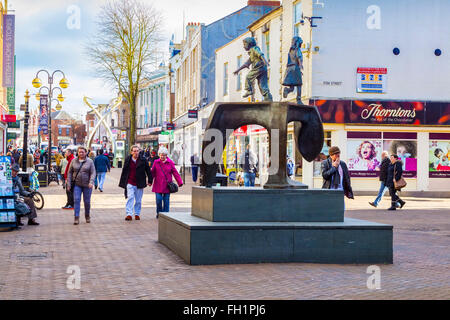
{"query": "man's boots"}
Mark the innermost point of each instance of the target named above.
(393, 205)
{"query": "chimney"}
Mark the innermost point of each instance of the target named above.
(263, 3)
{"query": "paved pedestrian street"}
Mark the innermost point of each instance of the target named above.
(123, 260)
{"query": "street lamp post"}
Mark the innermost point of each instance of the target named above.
(64, 84)
(25, 133)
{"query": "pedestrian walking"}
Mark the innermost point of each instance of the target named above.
(162, 171)
(194, 166)
(249, 163)
(80, 178)
(383, 174)
(152, 158)
(133, 180)
(111, 158)
(63, 165)
(335, 173)
(102, 165)
(37, 156)
(69, 205)
(30, 161)
(394, 171)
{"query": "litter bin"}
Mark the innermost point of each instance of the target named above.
(42, 174)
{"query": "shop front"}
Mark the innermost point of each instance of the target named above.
(148, 138)
(417, 131)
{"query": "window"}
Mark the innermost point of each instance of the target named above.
(60, 131)
(162, 105)
(266, 45)
(225, 78)
(297, 18)
(239, 79)
(156, 106)
(323, 154)
(123, 119)
(112, 123)
(67, 131)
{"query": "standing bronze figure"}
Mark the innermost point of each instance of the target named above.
(293, 76)
(258, 72)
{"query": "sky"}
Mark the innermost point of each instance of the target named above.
(50, 36)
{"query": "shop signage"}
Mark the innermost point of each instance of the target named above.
(170, 126)
(163, 138)
(8, 50)
(148, 131)
(43, 114)
(11, 135)
(193, 114)
(240, 132)
(384, 112)
(15, 125)
(8, 118)
(371, 80)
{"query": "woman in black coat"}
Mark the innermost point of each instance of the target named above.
(394, 167)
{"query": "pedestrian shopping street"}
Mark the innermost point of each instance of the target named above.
(118, 259)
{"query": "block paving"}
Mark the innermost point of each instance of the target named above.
(123, 260)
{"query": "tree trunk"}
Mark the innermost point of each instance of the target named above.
(132, 122)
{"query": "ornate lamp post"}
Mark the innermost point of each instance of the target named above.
(63, 84)
(25, 133)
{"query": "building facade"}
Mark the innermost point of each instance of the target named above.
(153, 107)
(194, 68)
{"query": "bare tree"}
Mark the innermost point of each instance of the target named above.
(125, 46)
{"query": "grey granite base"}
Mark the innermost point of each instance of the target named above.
(200, 242)
(232, 204)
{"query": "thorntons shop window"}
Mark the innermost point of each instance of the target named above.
(364, 152)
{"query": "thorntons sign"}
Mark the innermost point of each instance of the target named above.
(371, 112)
(377, 113)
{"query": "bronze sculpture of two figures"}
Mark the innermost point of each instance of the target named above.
(292, 78)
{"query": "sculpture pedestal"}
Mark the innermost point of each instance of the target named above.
(224, 228)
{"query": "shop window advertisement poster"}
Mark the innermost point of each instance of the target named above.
(407, 153)
(364, 157)
(439, 159)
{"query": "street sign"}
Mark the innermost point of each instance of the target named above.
(15, 125)
(193, 114)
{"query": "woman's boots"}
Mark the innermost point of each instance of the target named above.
(397, 204)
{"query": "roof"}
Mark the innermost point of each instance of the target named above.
(61, 115)
(265, 16)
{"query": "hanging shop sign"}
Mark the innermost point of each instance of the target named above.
(371, 80)
(193, 113)
(43, 113)
(8, 50)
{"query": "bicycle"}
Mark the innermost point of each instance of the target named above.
(38, 199)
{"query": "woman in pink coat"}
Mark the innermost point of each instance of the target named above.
(162, 171)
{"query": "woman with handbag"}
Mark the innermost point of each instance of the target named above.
(162, 171)
(394, 181)
(80, 180)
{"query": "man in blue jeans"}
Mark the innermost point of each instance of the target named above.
(102, 165)
(383, 173)
(249, 162)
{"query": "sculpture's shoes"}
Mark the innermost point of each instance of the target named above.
(247, 94)
(285, 92)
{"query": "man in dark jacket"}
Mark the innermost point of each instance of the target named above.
(383, 173)
(335, 173)
(152, 158)
(19, 189)
(395, 170)
(101, 163)
(133, 181)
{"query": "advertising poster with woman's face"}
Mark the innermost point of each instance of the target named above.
(439, 159)
(364, 157)
(406, 152)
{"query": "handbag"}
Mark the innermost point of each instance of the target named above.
(22, 208)
(401, 183)
(173, 187)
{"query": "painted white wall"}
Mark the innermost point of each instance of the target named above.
(363, 33)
